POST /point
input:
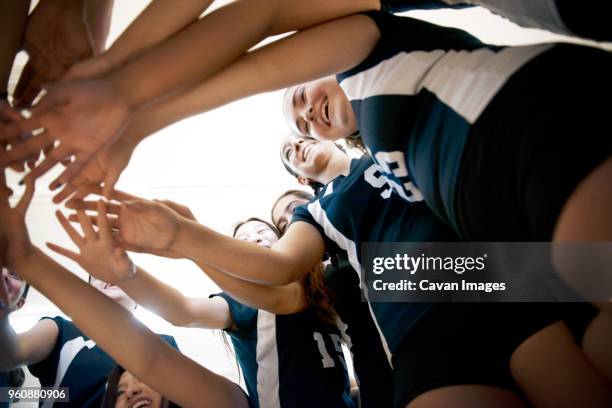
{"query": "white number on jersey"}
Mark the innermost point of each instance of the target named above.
(408, 191)
(326, 359)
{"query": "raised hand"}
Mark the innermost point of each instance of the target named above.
(144, 225)
(56, 37)
(180, 209)
(103, 170)
(113, 210)
(9, 123)
(149, 225)
(84, 116)
(13, 231)
(99, 254)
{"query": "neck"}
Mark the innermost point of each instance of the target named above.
(339, 165)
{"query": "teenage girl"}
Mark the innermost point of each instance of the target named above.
(269, 347)
(462, 123)
(412, 333)
(141, 75)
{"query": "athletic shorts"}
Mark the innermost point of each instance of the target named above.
(541, 135)
(466, 343)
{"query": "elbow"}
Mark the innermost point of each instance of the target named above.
(294, 306)
(294, 301)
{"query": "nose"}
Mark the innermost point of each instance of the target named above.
(309, 114)
(133, 392)
(297, 145)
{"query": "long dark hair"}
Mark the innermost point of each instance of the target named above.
(304, 195)
(112, 383)
(318, 295)
(316, 291)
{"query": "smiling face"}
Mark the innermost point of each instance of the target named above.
(256, 232)
(131, 393)
(319, 109)
(308, 158)
(113, 292)
(14, 286)
(283, 210)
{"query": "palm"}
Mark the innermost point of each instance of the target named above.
(105, 167)
(91, 118)
(84, 116)
(105, 261)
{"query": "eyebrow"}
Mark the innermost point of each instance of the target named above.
(293, 101)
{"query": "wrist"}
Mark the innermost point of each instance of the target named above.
(21, 260)
(131, 272)
(124, 88)
(179, 239)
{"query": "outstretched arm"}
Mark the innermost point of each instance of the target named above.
(149, 76)
(153, 227)
(165, 300)
(158, 21)
(339, 45)
(71, 111)
(139, 350)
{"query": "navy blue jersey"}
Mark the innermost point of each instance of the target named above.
(289, 360)
(78, 363)
(361, 208)
(4, 382)
(542, 14)
(398, 6)
(415, 98)
(372, 369)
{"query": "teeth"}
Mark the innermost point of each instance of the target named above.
(143, 403)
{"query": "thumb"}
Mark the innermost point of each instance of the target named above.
(109, 184)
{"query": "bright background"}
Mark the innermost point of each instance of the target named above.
(225, 166)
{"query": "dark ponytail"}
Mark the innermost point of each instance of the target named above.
(318, 295)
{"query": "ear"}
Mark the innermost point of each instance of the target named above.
(20, 304)
(303, 181)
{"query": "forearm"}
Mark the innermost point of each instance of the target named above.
(13, 14)
(98, 18)
(339, 45)
(172, 64)
(286, 299)
(10, 354)
(137, 349)
(241, 259)
(156, 296)
(147, 31)
(85, 305)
